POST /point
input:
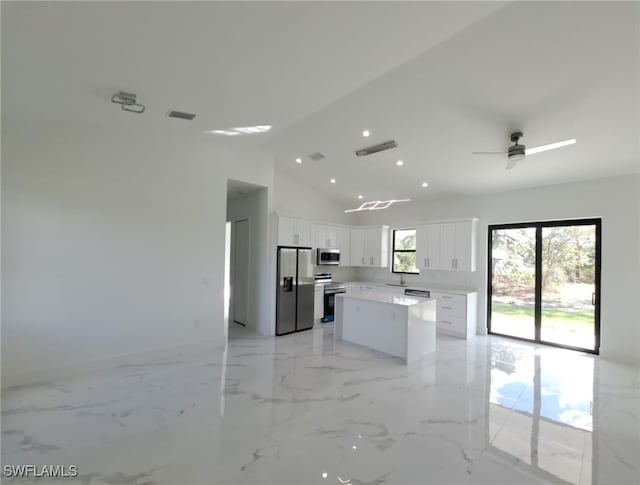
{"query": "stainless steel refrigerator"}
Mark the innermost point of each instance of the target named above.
(294, 301)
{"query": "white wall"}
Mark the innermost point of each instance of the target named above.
(615, 200)
(295, 198)
(254, 208)
(112, 243)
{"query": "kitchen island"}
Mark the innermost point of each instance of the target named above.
(398, 325)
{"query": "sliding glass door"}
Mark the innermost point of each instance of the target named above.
(544, 280)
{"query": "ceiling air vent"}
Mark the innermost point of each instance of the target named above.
(377, 148)
(181, 114)
(316, 156)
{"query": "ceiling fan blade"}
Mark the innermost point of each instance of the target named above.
(511, 163)
(550, 146)
(488, 153)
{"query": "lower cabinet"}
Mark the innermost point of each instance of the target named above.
(456, 314)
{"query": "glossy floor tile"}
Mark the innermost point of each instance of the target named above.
(302, 409)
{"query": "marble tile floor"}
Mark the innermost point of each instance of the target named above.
(303, 409)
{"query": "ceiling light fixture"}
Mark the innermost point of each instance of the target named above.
(127, 102)
(366, 133)
(333, 181)
(425, 184)
(377, 205)
(360, 197)
(241, 130)
(399, 163)
(298, 160)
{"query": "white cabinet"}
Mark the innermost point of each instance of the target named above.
(293, 232)
(357, 247)
(370, 246)
(449, 246)
(325, 236)
(456, 314)
(428, 246)
(457, 246)
(343, 235)
(318, 302)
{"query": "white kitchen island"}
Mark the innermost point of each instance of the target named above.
(398, 325)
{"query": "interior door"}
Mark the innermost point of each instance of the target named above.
(544, 282)
(240, 283)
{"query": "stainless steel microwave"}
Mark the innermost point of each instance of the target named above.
(328, 257)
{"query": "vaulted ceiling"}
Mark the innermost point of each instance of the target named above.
(441, 78)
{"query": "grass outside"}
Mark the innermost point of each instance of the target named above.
(526, 312)
(573, 328)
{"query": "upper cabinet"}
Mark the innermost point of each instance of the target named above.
(449, 246)
(325, 236)
(370, 246)
(293, 232)
(344, 245)
(428, 246)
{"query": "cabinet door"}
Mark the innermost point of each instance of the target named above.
(319, 236)
(447, 246)
(433, 246)
(286, 231)
(376, 244)
(428, 246)
(332, 236)
(465, 246)
(303, 230)
(372, 247)
(357, 247)
(343, 236)
(421, 247)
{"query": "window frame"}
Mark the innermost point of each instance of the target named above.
(394, 251)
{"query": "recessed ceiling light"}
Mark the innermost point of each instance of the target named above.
(325, 475)
(360, 197)
(298, 160)
(399, 163)
(333, 181)
(366, 133)
(425, 184)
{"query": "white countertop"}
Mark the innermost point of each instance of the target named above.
(384, 298)
(422, 286)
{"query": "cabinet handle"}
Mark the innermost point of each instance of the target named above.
(447, 308)
(452, 266)
(425, 262)
(456, 263)
(428, 263)
(446, 297)
(445, 321)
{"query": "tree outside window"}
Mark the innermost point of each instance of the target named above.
(404, 251)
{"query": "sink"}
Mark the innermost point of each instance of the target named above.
(403, 285)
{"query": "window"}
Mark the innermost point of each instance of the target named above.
(404, 251)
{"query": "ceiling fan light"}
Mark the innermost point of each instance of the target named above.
(550, 146)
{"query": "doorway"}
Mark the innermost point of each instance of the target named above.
(544, 282)
(240, 265)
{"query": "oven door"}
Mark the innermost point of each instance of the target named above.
(328, 257)
(330, 305)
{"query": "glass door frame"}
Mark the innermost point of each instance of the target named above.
(597, 222)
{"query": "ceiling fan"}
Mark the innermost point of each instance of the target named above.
(517, 152)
